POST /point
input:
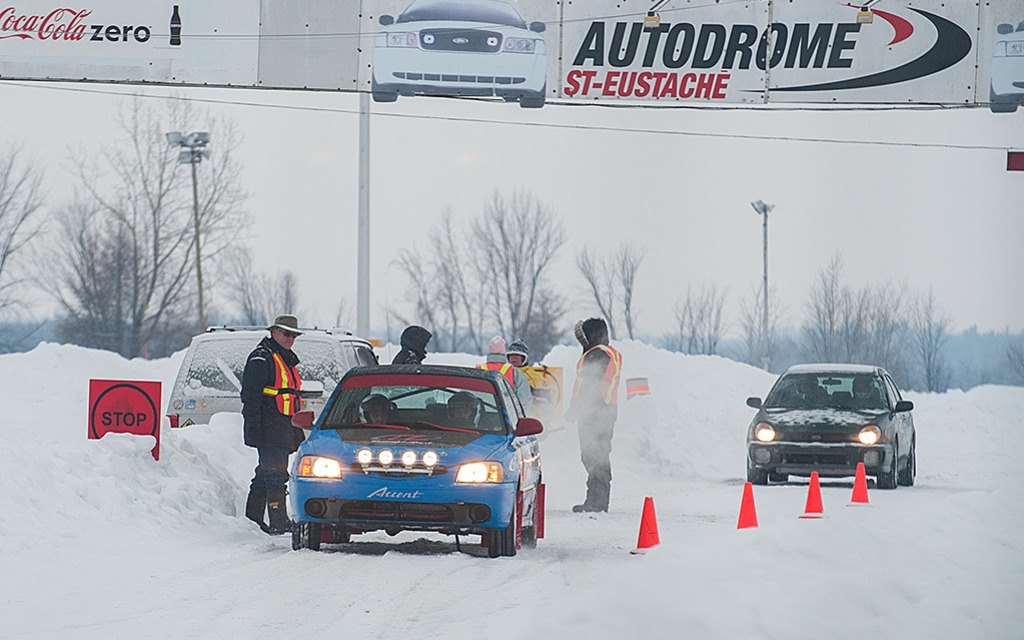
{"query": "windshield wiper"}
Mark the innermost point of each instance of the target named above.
(437, 426)
(373, 425)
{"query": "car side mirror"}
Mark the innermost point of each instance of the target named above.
(754, 402)
(303, 420)
(311, 389)
(529, 427)
(538, 27)
(386, 20)
(904, 405)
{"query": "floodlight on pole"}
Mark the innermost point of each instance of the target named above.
(194, 149)
(763, 208)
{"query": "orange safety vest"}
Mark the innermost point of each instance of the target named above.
(610, 381)
(286, 386)
(503, 368)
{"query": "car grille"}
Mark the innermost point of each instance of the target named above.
(802, 436)
(817, 458)
(451, 77)
(468, 40)
(396, 511)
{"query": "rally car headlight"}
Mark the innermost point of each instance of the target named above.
(319, 467)
(364, 456)
(869, 434)
(430, 458)
(408, 458)
(386, 457)
(764, 432)
(479, 472)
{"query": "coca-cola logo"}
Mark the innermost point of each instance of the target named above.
(59, 24)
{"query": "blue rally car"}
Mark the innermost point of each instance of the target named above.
(419, 448)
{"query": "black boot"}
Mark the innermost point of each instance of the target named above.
(255, 505)
(278, 512)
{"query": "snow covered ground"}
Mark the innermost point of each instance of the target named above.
(99, 541)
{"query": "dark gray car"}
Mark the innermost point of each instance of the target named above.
(828, 418)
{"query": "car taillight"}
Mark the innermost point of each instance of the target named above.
(174, 420)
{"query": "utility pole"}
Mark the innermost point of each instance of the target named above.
(763, 208)
(194, 149)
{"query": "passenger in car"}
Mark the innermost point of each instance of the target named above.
(866, 393)
(810, 392)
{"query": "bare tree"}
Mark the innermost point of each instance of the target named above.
(700, 320)
(444, 294)
(1015, 360)
(930, 333)
(137, 204)
(822, 327)
(20, 223)
(752, 325)
(858, 326)
(600, 276)
(628, 262)
(258, 296)
(516, 239)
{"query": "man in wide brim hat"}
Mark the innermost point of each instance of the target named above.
(286, 322)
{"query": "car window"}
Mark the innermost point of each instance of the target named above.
(855, 391)
(217, 365)
(512, 402)
(495, 13)
(320, 359)
(893, 391)
(364, 356)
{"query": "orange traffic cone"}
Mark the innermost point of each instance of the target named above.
(813, 508)
(860, 487)
(648, 529)
(748, 513)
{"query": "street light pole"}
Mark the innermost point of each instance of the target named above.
(763, 208)
(194, 149)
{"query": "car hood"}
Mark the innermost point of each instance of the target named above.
(451, 446)
(819, 419)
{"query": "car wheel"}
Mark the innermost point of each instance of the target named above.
(887, 479)
(306, 535)
(778, 477)
(998, 105)
(909, 470)
(380, 95)
(503, 542)
(532, 102)
(757, 476)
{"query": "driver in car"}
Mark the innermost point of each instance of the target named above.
(376, 409)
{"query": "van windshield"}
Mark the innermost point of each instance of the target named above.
(217, 365)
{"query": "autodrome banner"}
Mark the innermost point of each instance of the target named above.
(535, 51)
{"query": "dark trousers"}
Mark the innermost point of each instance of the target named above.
(596, 430)
(269, 482)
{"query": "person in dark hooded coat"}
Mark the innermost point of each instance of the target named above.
(414, 345)
(594, 407)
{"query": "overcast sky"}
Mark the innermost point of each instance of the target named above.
(921, 198)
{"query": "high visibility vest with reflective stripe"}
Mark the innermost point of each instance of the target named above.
(610, 381)
(286, 387)
(503, 368)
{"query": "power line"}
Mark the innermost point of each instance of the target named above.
(579, 127)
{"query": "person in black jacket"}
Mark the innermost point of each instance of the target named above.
(270, 397)
(414, 345)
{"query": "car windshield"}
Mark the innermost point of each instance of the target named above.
(489, 12)
(414, 402)
(854, 391)
(217, 365)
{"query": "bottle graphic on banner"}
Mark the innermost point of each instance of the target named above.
(175, 27)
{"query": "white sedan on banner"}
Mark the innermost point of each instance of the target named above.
(460, 47)
(1007, 88)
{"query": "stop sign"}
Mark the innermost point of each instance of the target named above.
(125, 406)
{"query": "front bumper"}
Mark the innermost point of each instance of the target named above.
(829, 460)
(369, 502)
